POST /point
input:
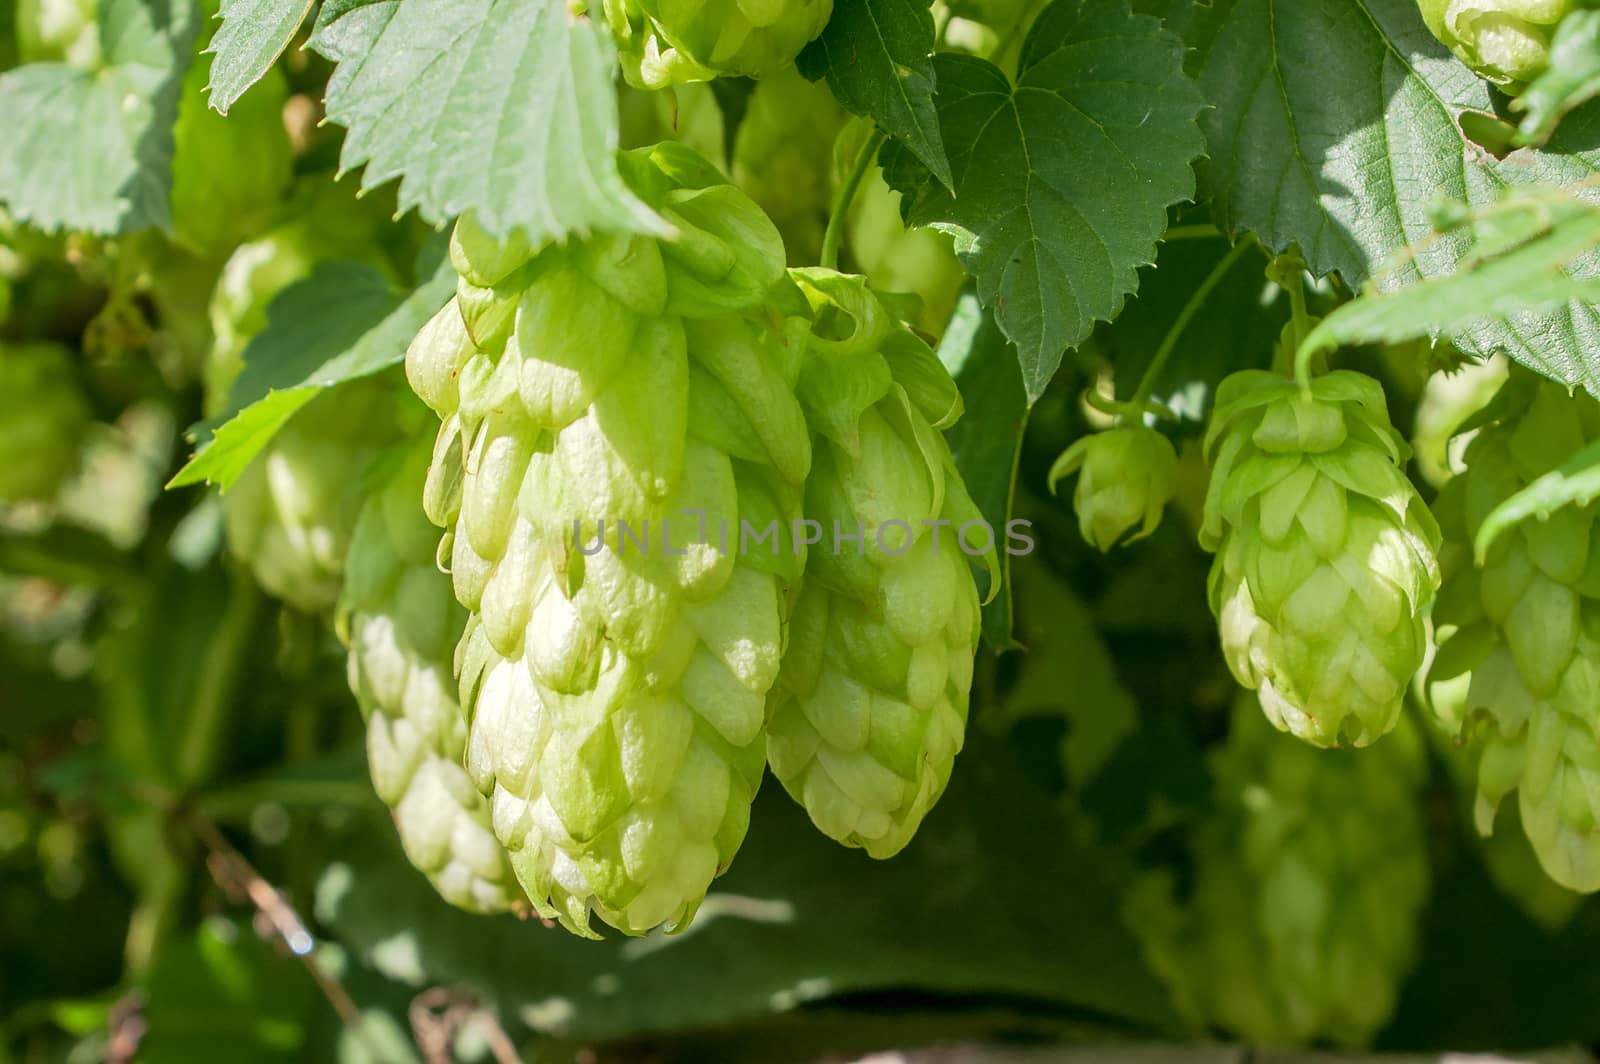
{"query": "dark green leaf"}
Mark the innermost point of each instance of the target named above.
(878, 58)
(1062, 183)
(1334, 128)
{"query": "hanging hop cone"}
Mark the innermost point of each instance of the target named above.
(1309, 877)
(43, 416)
(1326, 556)
(400, 622)
(1505, 41)
(291, 513)
(1127, 477)
(616, 411)
(664, 42)
(871, 705)
(1518, 667)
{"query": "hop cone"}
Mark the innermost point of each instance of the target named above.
(668, 41)
(783, 157)
(1520, 650)
(872, 702)
(42, 420)
(59, 31)
(1325, 561)
(1309, 877)
(1505, 41)
(291, 514)
(599, 399)
(1127, 477)
(400, 622)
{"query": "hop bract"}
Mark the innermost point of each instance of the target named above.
(1519, 657)
(1308, 882)
(42, 419)
(871, 706)
(1127, 477)
(1326, 556)
(667, 41)
(1505, 41)
(616, 413)
(400, 622)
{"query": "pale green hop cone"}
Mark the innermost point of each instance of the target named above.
(291, 513)
(1519, 659)
(1505, 41)
(43, 416)
(400, 623)
(871, 706)
(1309, 877)
(616, 684)
(783, 157)
(1326, 558)
(1126, 478)
(664, 42)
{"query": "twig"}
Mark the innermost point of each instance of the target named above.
(439, 1013)
(236, 876)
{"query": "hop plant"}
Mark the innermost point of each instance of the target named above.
(1309, 877)
(782, 157)
(42, 419)
(1127, 477)
(1505, 41)
(291, 513)
(664, 42)
(400, 622)
(615, 412)
(1519, 660)
(1326, 556)
(871, 705)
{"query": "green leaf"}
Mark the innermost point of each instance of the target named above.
(507, 109)
(878, 58)
(343, 322)
(1514, 272)
(1573, 78)
(1575, 483)
(987, 441)
(1335, 128)
(254, 33)
(994, 897)
(1062, 183)
(91, 150)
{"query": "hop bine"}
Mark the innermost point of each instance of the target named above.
(604, 403)
(1519, 658)
(1326, 556)
(400, 623)
(1309, 877)
(871, 705)
(668, 41)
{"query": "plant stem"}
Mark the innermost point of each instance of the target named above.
(1169, 343)
(847, 194)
